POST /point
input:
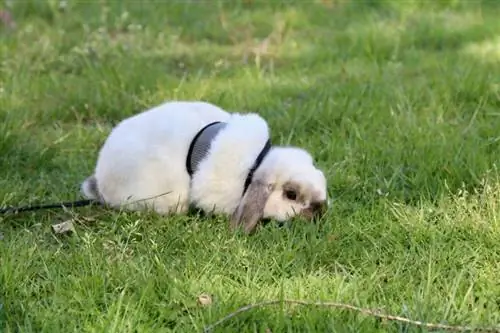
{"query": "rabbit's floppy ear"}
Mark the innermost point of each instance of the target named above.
(251, 208)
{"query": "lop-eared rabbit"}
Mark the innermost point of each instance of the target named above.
(198, 155)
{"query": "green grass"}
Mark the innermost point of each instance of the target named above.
(399, 102)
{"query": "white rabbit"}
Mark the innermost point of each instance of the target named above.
(149, 154)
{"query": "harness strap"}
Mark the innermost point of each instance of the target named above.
(257, 163)
(200, 146)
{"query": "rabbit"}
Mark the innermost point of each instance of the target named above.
(146, 155)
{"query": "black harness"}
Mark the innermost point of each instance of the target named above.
(198, 150)
(200, 146)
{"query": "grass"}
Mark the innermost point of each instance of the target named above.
(398, 101)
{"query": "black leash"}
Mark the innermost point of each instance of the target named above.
(68, 204)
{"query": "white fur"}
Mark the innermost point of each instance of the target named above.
(145, 156)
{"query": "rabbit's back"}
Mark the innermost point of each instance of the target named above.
(145, 156)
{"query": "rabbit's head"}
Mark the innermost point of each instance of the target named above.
(286, 185)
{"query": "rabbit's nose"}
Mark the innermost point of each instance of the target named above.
(318, 208)
(315, 210)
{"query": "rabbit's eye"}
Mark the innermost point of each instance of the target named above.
(291, 194)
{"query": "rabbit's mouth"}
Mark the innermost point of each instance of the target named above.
(266, 221)
(280, 224)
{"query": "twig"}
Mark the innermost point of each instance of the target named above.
(369, 312)
(153, 197)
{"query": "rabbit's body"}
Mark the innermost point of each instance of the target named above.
(143, 164)
(145, 156)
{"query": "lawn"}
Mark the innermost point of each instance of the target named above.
(398, 101)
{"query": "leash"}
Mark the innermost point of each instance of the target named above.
(67, 204)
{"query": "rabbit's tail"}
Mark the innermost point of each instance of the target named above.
(89, 188)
